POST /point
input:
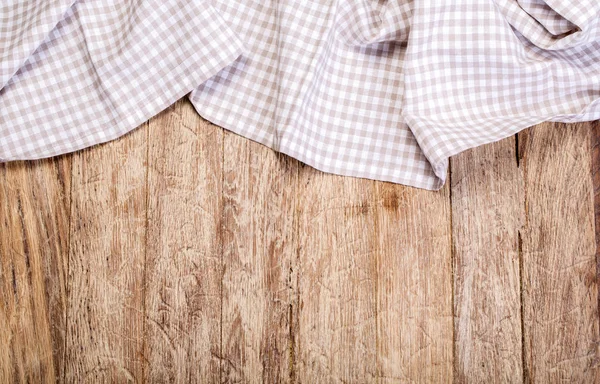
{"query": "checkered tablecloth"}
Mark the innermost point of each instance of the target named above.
(380, 89)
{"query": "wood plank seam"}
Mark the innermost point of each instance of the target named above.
(220, 239)
(294, 287)
(379, 370)
(143, 358)
(455, 362)
(63, 372)
(522, 165)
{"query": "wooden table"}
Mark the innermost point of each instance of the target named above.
(186, 253)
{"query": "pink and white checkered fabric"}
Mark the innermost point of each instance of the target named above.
(380, 89)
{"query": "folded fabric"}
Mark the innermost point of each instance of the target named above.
(385, 90)
(102, 70)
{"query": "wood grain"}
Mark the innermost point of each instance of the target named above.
(595, 146)
(414, 285)
(335, 319)
(183, 253)
(34, 229)
(560, 285)
(184, 256)
(258, 252)
(105, 313)
(487, 214)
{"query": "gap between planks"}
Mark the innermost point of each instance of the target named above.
(302, 364)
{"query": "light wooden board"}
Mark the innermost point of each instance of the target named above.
(259, 249)
(560, 278)
(414, 289)
(336, 280)
(488, 210)
(183, 262)
(184, 253)
(34, 227)
(106, 262)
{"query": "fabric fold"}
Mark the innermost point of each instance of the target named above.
(452, 105)
(366, 22)
(379, 89)
(551, 24)
(24, 26)
(106, 68)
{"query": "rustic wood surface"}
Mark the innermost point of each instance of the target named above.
(185, 253)
(487, 215)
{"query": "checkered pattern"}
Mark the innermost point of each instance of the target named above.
(105, 68)
(380, 89)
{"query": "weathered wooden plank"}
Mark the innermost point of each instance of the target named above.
(414, 290)
(258, 250)
(560, 287)
(487, 213)
(183, 264)
(106, 262)
(334, 327)
(34, 240)
(595, 143)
